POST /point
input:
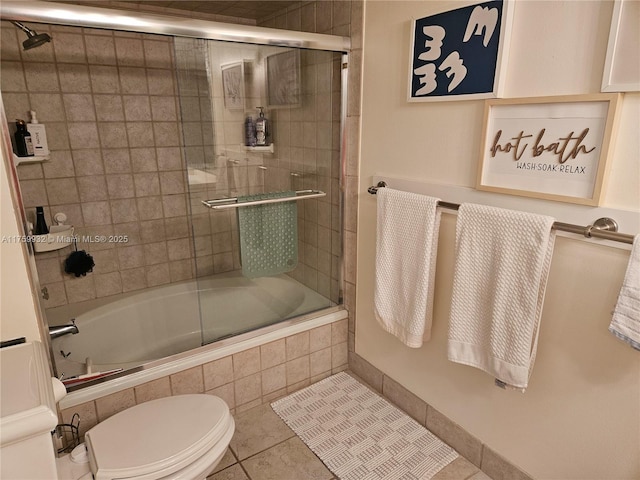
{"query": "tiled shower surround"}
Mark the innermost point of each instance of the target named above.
(127, 119)
(109, 103)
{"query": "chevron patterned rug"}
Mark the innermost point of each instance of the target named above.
(359, 435)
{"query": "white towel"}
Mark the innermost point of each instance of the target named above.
(626, 316)
(501, 269)
(406, 248)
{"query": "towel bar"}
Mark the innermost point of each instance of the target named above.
(224, 203)
(605, 228)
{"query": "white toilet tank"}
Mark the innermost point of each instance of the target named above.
(28, 411)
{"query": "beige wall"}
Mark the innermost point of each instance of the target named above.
(579, 418)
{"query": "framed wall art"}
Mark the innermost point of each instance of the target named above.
(283, 79)
(554, 148)
(233, 85)
(622, 64)
(460, 54)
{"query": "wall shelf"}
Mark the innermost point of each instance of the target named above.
(59, 236)
(261, 149)
(34, 159)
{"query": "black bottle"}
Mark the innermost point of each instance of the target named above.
(41, 224)
(24, 145)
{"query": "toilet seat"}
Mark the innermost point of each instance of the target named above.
(157, 439)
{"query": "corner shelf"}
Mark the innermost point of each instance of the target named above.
(59, 236)
(265, 149)
(34, 159)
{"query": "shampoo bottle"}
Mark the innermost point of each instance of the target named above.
(38, 135)
(262, 129)
(24, 144)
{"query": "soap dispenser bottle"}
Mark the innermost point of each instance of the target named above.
(262, 129)
(38, 135)
(24, 144)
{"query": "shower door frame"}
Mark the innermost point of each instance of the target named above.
(141, 22)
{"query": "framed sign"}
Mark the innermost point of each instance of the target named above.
(460, 54)
(233, 85)
(283, 79)
(622, 64)
(555, 148)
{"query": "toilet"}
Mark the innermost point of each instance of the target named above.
(182, 437)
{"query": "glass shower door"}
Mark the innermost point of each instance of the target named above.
(260, 264)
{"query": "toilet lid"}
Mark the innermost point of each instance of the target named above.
(156, 438)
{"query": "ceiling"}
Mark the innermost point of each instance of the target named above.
(249, 9)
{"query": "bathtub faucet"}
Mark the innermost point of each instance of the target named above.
(60, 330)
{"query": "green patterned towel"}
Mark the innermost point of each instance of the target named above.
(268, 235)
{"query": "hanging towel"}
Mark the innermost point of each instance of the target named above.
(268, 235)
(626, 316)
(406, 248)
(501, 269)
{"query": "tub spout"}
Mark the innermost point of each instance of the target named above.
(60, 330)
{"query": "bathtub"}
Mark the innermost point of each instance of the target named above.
(136, 329)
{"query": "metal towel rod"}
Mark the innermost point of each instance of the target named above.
(606, 228)
(224, 203)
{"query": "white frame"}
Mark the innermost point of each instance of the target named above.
(296, 79)
(501, 61)
(574, 110)
(622, 48)
(230, 102)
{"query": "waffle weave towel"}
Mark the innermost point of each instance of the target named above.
(626, 317)
(501, 269)
(406, 248)
(268, 235)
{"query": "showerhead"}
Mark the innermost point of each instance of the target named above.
(33, 39)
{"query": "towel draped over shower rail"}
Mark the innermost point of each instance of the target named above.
(224, 203)
(605, 228)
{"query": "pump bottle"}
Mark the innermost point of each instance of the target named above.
(38, 135)
(262, 129)
(24, 144)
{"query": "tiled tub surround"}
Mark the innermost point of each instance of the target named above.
(306, 142)
(478, 453)
(216, 247)
(109, 103)
(339, 18)
(118, 110)
(244, 379)
(130, 181)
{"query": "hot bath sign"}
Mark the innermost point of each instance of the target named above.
(547, 146)
(457, 54)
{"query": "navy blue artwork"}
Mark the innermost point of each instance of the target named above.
(456, 52)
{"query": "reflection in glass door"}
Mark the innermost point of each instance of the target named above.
(261, 264)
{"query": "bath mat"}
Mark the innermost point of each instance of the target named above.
(268, 235)
(359, 435)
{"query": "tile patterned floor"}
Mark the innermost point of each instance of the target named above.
(265, 448)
